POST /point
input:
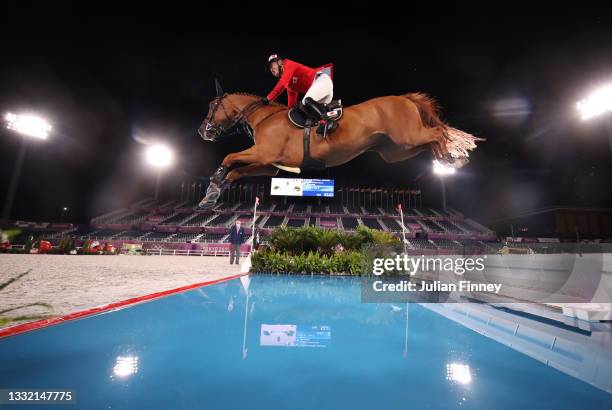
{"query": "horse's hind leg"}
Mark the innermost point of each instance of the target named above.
(410, 131)
(391, 152)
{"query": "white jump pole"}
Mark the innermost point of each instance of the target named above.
(253, 226)
(401, 211)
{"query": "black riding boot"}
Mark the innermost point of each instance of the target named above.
(311, 116)
(326, 126)
(315, 107)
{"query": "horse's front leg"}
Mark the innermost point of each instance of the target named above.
(252, 170)
(219, 182)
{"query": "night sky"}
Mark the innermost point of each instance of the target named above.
(107, 83)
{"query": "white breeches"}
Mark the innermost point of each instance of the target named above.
(321, 90)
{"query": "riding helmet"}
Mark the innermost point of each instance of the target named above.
(272, 59)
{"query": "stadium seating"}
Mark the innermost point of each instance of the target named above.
(134, 217)
(328, 222)
(449, 227)
(184, 237)
(264, 207)
(281, 207)
(129, 235)
(274, 220)
(418, 243)
(199, 219)
(371, 223)
(372, 210)
(211, 237)
(465, 227)
(354, 209)
(176, 219)
(445, 244)
(157, 236)
(105, 233)
(317, 209)
(349, 223)
(220, 220)
(392, 224)
(299, 208)
(336, 209)
(83, 230)
(431, 226)
(245, 207)
(447, 224)
(226, 206)
(295, 223)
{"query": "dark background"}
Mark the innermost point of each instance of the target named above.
(507, 75)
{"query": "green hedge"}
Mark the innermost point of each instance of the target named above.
(271, 261)
(325, 241)
(317, 251)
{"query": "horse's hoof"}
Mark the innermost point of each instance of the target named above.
(460, 163)
(212, 195)
(205, 205)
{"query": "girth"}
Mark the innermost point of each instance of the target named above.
(309, 163)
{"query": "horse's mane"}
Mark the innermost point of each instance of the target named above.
(272, 103)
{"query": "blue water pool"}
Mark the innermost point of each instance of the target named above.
(309, 343)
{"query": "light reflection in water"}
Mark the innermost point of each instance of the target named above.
(459, 373)
(126, 366)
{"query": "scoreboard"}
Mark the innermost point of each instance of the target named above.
(302, 187)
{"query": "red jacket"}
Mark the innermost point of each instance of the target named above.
(297, 78)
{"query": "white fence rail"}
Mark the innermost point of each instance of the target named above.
(190, 252)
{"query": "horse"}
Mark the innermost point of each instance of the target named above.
(396, 127)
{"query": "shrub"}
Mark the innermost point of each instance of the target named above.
(313, 250)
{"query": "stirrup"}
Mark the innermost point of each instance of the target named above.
(326, 127)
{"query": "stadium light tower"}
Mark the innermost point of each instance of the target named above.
(161, 157)
(28, 126)
(442, 171)
(596, 104)
(64, 210)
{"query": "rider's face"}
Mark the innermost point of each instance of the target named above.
(275, 68)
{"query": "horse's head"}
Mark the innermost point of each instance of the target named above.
(222, 115)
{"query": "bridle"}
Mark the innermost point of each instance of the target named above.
(215, 129)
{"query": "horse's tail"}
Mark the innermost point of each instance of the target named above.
(428, 108)
(459, 143)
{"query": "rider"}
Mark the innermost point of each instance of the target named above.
(297, 78)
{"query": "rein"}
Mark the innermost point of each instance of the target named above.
(241, 117)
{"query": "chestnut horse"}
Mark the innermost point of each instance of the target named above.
(397, 127)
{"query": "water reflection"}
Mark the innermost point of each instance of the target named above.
(585, 354)
(125, 366)
(459, 373)
(288, 304)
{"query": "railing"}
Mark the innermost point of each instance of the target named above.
(190, 252)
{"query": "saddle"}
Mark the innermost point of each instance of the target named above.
(333, 113)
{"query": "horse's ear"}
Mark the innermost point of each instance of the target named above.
(218, 88)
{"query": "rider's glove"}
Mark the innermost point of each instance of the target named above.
(265, 100)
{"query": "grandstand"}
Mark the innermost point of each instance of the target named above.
(178, 221)
(349, 223)
(371, 223)
(295, 222)
(274, 221)
(211, 237)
